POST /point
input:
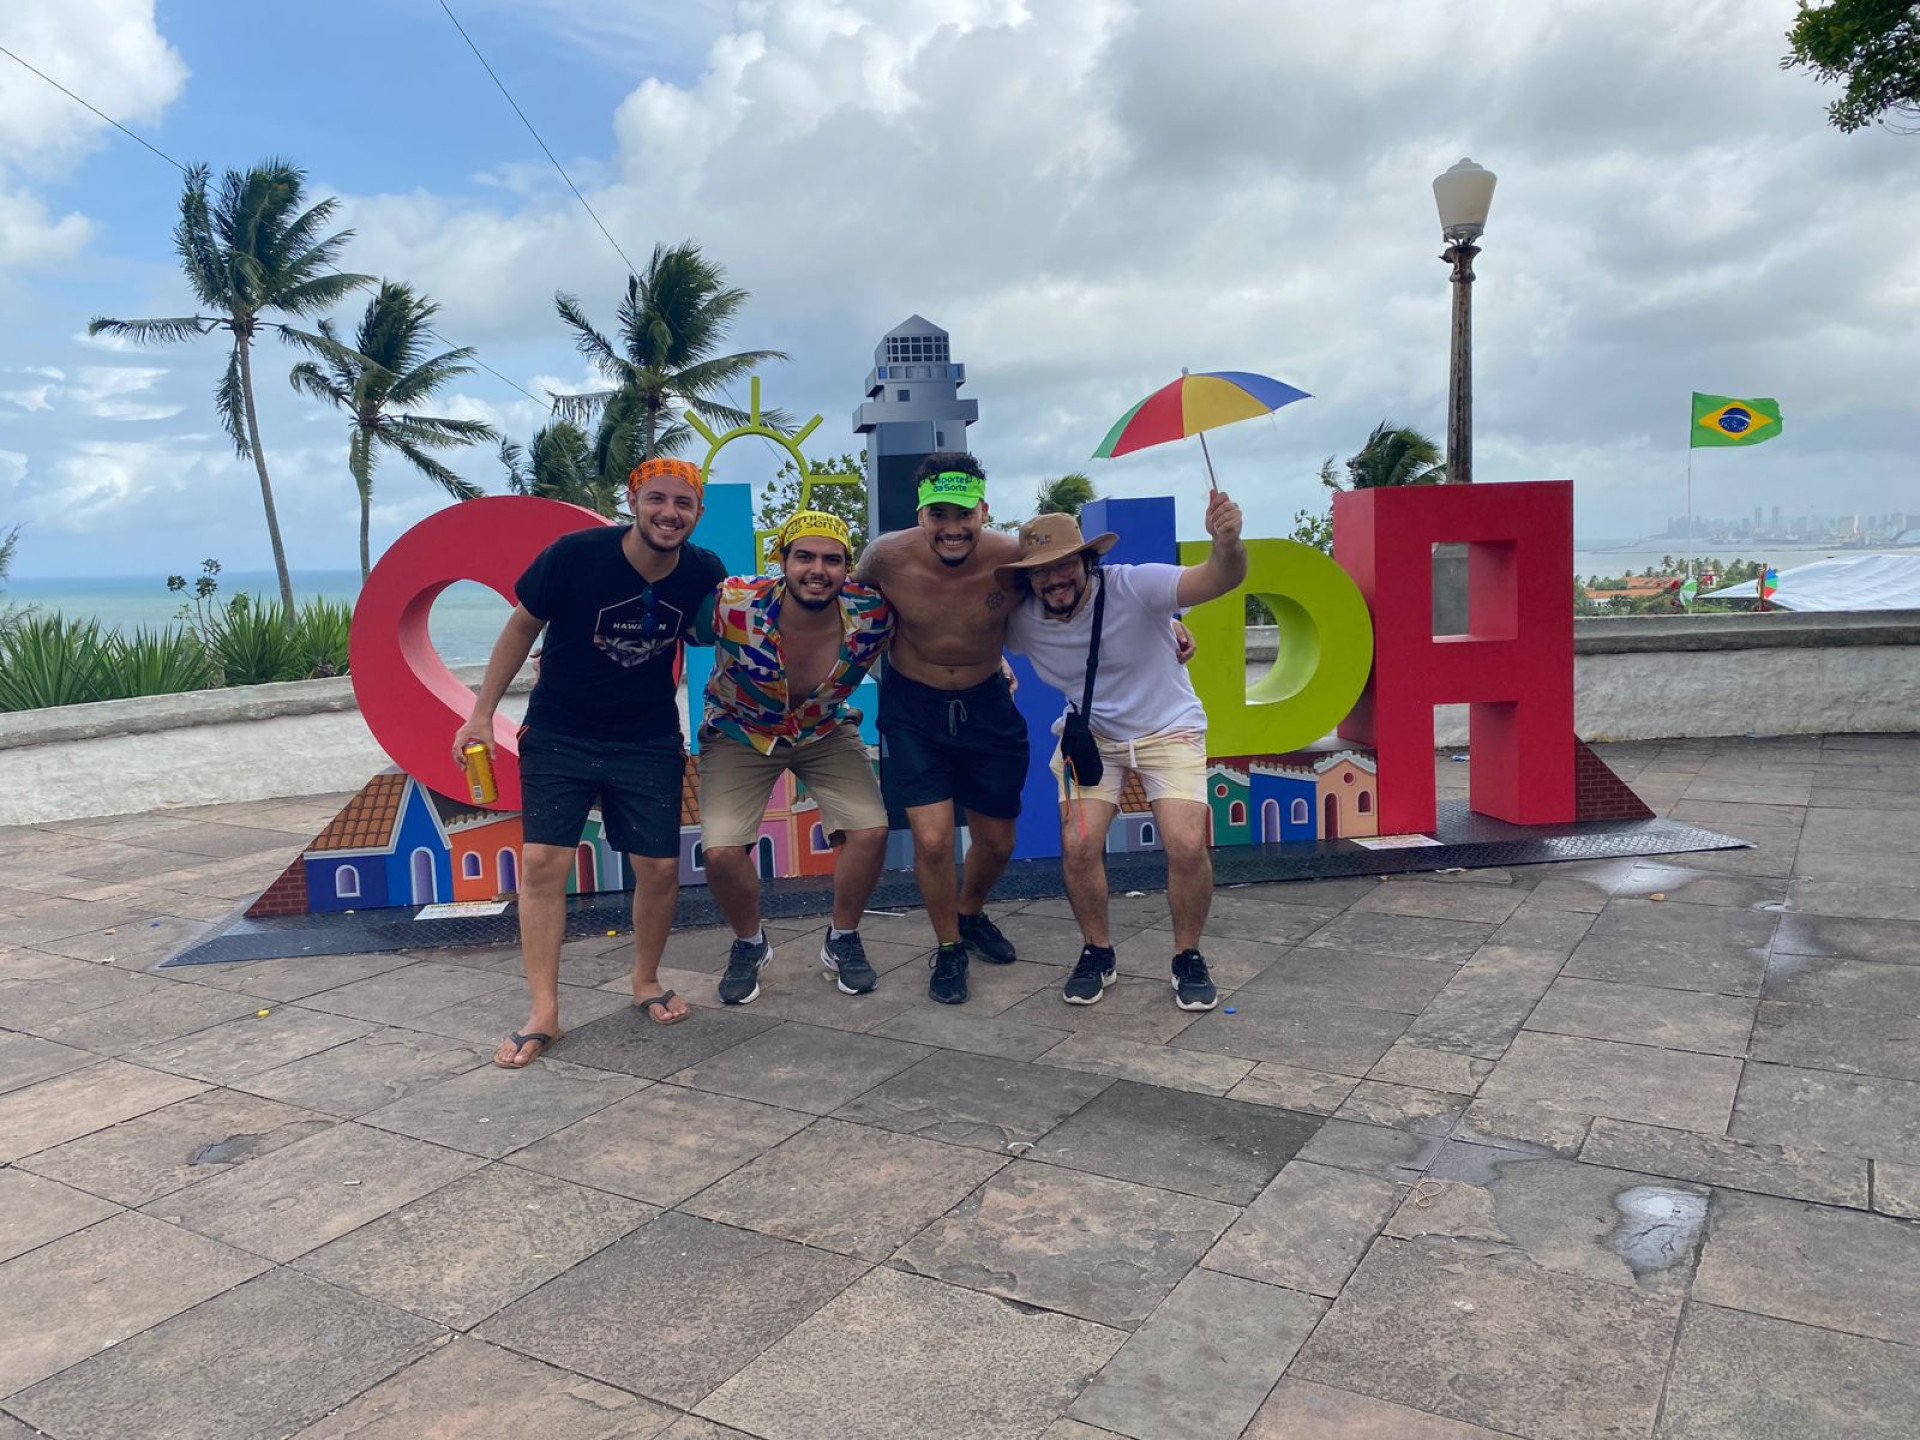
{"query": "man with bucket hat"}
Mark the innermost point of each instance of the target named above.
(1078, 616)
(602, 726)
(789, 651)
(949, 730)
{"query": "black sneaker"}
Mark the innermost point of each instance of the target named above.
(846, 960)
(1192, 986)
(948, 985)
(1090, 977)
(983, 938)
(744, 963)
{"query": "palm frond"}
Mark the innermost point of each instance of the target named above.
(438, 473)
(586, 339)
(360, 461)
(320, 293)
(440, 430)
(429, 377)
(307, 377)
(584, 406)
(155, 332)
(229, 398)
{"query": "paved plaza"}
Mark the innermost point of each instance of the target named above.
(1608, 1149)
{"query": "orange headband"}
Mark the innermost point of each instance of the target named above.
(667, 467)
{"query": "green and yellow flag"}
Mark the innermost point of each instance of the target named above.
(1721, 420)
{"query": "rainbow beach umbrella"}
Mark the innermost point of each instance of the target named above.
(1194, 404)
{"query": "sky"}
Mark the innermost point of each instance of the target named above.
(1088, 194)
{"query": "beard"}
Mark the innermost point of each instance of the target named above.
(646, 538)
(1065, 607)
(805, 604)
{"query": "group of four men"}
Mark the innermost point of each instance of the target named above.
(943, 602)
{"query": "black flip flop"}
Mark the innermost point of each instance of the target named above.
(520, 1042)
(660, 1000)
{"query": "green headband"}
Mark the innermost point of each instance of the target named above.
(953, 487)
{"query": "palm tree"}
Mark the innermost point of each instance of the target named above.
(250, 251)
(1063, 495)
(671, 321)
(1393, 455)
(377, 381)
(560, 465)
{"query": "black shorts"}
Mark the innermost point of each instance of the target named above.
(964, 745)
(636, 784)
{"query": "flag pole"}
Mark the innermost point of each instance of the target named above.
(1689, 507)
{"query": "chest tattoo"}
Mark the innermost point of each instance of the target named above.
(996, 598)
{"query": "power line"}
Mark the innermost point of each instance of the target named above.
(101, 113)
(501, 86)
(131, 135)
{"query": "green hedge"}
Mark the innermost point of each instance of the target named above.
(48, 660)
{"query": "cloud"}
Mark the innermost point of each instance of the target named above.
(1090, 194)
(122, 392)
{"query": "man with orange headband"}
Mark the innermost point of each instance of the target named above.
(789, 650)
(602, 726)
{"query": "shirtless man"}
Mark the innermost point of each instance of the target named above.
(948, 727)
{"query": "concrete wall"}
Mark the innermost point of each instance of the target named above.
(1635, 678)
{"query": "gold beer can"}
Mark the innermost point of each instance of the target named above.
(480, 787)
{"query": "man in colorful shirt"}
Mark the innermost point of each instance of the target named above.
(789, 650)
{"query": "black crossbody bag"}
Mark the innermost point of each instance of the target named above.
(1077, 745)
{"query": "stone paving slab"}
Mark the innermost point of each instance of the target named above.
(145, 1019)
(802, 1067)
(1830, 1179)
(634, 1045)
(113, 1280)
(1896, 1189)
(35, 1210)
(368, 1072)
(81, 1101)
(663, 1144)
(1626, 1082)
(958, 1027)
(1105, 1250)
(1636, 1231)
(975, 1100)
(27, 1060)
(1311, 1092)
(1307, 1230)
(1837, 1269)
(469, 1388)
(1759, 1379)
(674, 1309)
(1403, 1107)
(37, 988)
(1203, 1362)
(294, 1200)
(1308, 1034)
(493, 1111)
(1201, 1145)
(1347, 977)
(1824, 1110)
(474, 1246)
(1302, 1410)
(847, 1188)
(1149, 1064)
(195, 1139)
(1495, 1341)
(960, 1366)
(398, 996)
(262, 1360)
(1645, 1015)
(1718, 967)
(229, 1052)
(1835, 1037)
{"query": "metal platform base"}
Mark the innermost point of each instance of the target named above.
(1468, 842)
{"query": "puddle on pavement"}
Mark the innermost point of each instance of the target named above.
(1658, 1227)
(229, 1151)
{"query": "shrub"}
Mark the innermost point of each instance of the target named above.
(155, 662)
(47, 660)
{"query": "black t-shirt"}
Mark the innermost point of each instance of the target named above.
(606, 666)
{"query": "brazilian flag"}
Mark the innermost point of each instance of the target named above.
(1722, 420)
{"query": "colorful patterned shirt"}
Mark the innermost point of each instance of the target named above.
(747, 697)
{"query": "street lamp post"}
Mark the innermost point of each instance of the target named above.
(1464, 195)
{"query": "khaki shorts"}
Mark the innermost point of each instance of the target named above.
(1171, 765)
(736, 780)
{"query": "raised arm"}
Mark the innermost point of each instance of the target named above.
(1226, 566)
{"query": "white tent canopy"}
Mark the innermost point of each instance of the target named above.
(1842, 582)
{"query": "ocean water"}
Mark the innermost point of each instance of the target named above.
(466, 617)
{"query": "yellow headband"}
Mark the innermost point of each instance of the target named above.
(811, 522)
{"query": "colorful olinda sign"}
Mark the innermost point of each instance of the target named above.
(1356, 654)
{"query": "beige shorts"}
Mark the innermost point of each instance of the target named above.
(1171, 765)
(736, 780)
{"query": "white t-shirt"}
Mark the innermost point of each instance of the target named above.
(1140, 688)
